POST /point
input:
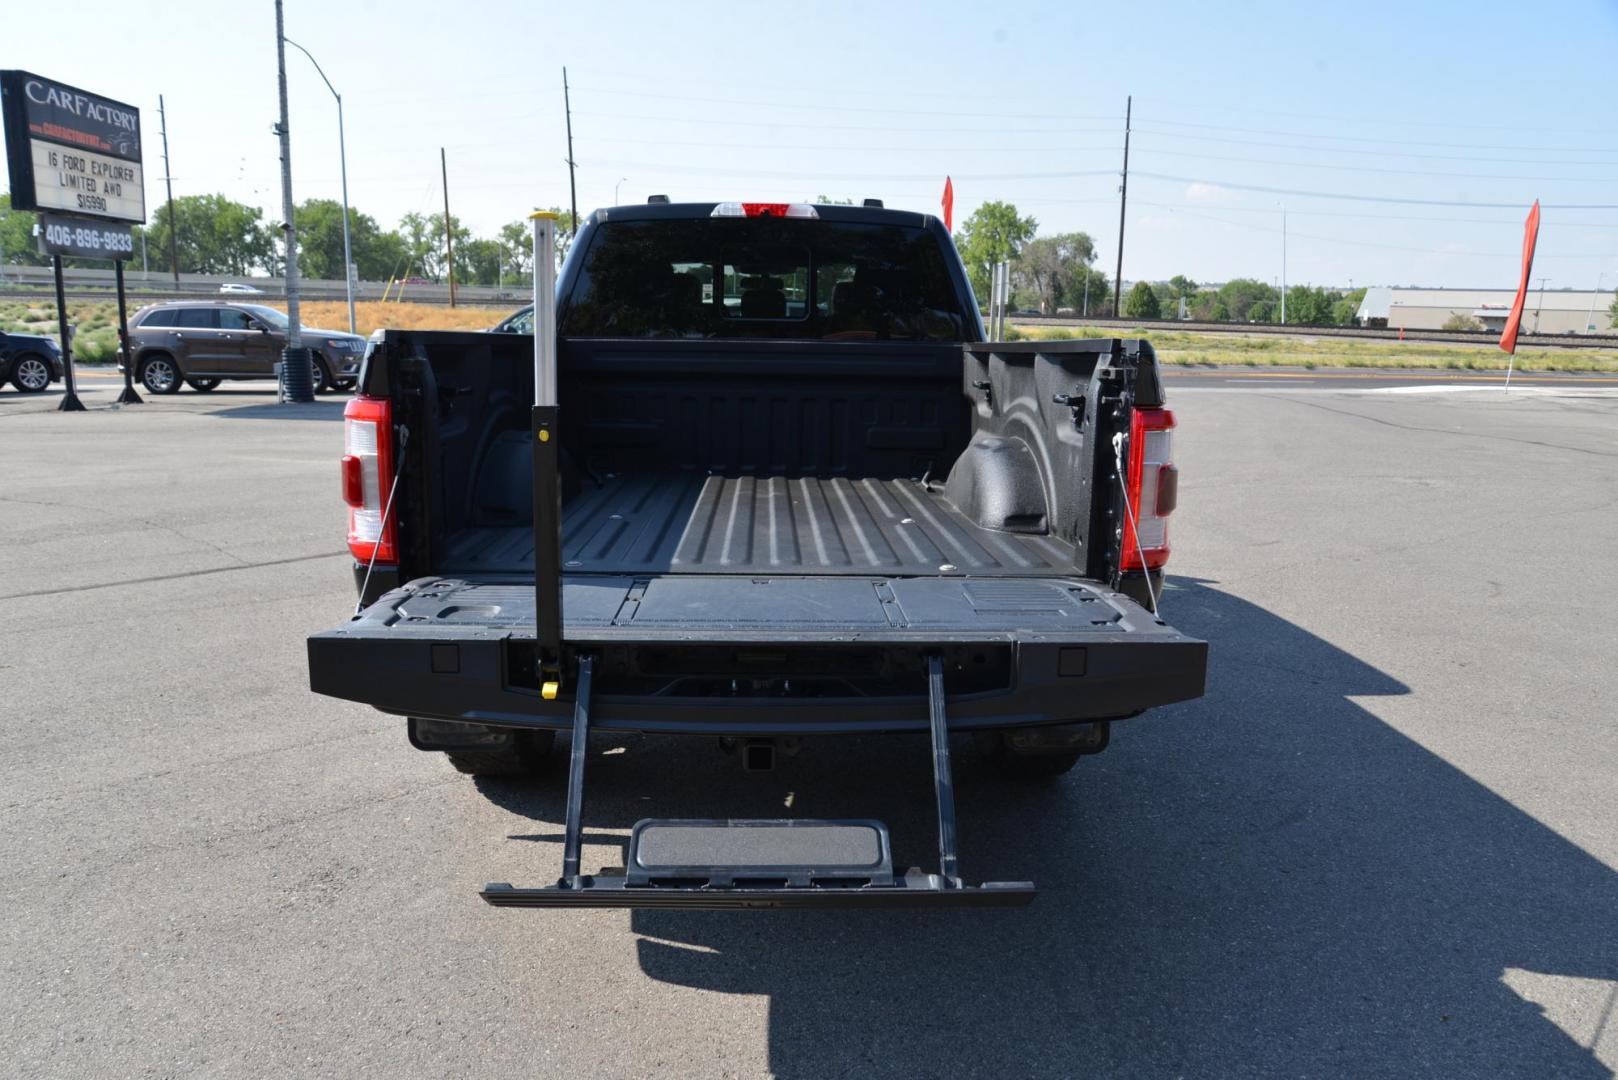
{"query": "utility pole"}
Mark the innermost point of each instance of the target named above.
(449, 233)
(1540, 304)
(1123, 202)
(297, 377)
(572, 186)
(168, 173)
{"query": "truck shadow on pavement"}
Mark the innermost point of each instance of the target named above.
(1269, 880)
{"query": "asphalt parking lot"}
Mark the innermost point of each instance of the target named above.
(1385, 843)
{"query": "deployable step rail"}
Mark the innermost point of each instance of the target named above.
(785, 863)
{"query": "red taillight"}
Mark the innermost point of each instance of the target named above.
(765, 209)
(1153, 489)
(353, 481)
(368, 478)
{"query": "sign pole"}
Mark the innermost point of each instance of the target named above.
(129, 396)
(70, 400)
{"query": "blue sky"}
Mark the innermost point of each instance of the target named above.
(1432, 103)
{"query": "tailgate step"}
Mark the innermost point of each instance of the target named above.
(762, 864)
(793, 853)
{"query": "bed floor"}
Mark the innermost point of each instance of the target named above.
(697, 523)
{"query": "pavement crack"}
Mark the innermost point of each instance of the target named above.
(1446, 431)
(171, 577)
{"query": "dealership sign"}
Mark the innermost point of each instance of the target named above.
(71, 151)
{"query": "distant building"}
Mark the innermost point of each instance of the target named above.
(1554, 311)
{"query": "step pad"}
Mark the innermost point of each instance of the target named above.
(795, 853)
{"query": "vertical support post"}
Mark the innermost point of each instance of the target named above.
(545, 437)
(168, 180)
(949, 864)
(1123, 204)
(449, 231)
(348, 252)
(70, 400)
(573, 832)
(572, 185)
(129, 396)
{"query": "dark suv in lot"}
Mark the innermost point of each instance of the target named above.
(201, 343)
(29, 362)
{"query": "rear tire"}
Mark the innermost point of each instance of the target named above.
(525, 757)
(322, 377)
(32, 374)
(202, 386)
(159, 374)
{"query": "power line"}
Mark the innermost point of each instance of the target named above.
(1470, 175)
(736, 122)
(820, 107)
(1381, 153)
(1390, 142)
(1370, 198)
(873, 177)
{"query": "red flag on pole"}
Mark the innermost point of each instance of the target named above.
(1530, 236)
(949, 205)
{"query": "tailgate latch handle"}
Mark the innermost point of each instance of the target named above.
(1074, 402)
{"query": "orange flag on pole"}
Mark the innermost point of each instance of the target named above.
(1530, 236)
(949, 205)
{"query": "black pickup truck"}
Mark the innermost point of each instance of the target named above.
(786, 490)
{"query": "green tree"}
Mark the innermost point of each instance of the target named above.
(1049, 268)
(1261, 311)
(479, 262)
(1240, 294)
(1089, 293)
(1461, 321)
(415, 232)
(1309, 306)
(377, 254)
(437, 266)
(1182, 287)
(994, 233)
(215, 235)
(1141, 303)
(517, 244)
(17, 245)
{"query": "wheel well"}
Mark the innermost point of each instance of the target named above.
(149, 354)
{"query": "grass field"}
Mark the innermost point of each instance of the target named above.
(1303, 350)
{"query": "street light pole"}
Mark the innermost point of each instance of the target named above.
(1283, 264)
(342, 158)
(1590, 316)
(615, 187)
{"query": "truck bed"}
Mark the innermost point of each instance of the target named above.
(694, 523)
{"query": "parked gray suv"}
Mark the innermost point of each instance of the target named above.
(203, 342)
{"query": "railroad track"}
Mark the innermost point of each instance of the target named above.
(1454, 337)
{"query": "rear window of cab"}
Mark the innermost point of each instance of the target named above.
(763, 278)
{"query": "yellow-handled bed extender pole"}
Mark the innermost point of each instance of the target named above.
(546, 442)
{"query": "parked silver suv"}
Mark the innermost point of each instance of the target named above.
(203, 342)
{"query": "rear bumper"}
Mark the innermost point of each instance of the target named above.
(812, 661)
